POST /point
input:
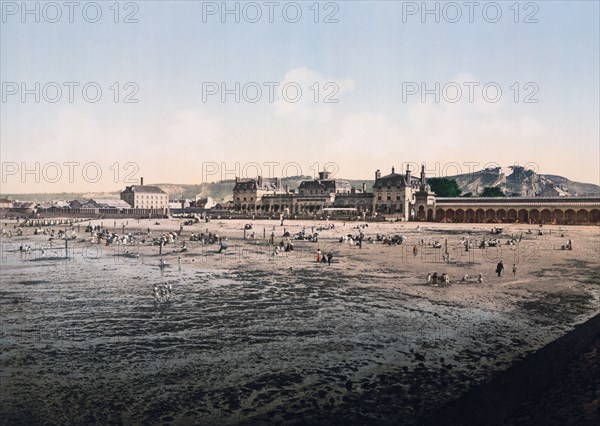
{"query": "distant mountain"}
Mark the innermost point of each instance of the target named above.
(514, 181)
(518, 181)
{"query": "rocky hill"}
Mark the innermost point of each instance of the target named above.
(518, 181)
(514, 181)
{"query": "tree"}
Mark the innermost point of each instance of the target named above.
(492, 191)
(444, 187)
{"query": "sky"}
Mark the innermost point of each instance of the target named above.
(96, 95)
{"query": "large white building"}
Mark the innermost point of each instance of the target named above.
(146, 197)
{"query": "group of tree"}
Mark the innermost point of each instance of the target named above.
(444, 187)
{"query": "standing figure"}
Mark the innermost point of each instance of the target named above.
(500, 268)
(514, 269)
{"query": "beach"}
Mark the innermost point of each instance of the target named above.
(249, 337)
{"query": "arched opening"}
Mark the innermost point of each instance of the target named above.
(421, 213)
(440, 215)
(490, 215)
(450, 215)
(480, 216)
(523, 216)
(470, 216)
(583, 216)
(570, 216)
(595, 216)
(558, 216)
(534, 216)
(546, 216)
(430, 215)
(511, 215)
(460, 215)
(501, 215)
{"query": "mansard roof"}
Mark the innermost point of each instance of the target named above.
(268, 184)
(326, 185)
(395, 179)
(144, 189)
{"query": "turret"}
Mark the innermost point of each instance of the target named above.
(408, 175)
(377, 174)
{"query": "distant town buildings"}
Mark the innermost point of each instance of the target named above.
(395, 196)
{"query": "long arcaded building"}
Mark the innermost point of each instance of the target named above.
(558, 210)
(407, 197)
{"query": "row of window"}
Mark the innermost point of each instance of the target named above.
(389, 197)
(151, 197)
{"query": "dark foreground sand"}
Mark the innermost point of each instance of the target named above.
(247, 340)
(557, 385)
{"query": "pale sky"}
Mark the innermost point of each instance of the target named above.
(375, 58)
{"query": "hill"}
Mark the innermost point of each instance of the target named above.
(518, 181)
(514, 181)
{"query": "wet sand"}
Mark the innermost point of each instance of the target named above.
(246, 339)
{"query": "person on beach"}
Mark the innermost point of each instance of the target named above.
(445, 281)
(480, 278)
(415, 251)
(318, 255)
(514, 269)
(329, 257)
(429, 278)
(434, 279)
(500, 268)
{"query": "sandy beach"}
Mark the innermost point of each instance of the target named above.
(255, 338)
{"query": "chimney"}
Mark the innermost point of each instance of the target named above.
(423, 179)
(287, 189)
(278, 180)
(393, 170)
(377, 174)
(260, 181)
(364, 187)
(142, 181)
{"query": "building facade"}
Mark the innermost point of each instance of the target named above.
(406, 197)
(395, 194)
(146, 197)
(248, 193)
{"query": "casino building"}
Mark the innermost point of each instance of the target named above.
(407, 197)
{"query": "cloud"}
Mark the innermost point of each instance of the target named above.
(463, 131)
(305, 95)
